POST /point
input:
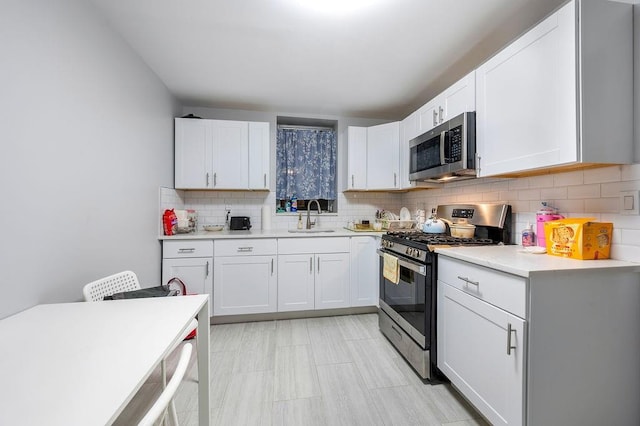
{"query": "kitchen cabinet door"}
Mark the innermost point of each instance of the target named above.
(244, 285)
(332, 273)
(365, 273)
(192, 143)
(230, 154)
(527, 100)
(481, 349)
(357, 157)
(195, 272)
(259, 155)
(296, 289)
(428, 115)
(559, 95)
(460, 97)
(383, 156)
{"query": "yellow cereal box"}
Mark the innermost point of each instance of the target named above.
(578, 238)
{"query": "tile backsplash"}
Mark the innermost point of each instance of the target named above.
(582, 193)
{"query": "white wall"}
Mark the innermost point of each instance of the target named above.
(87, 139)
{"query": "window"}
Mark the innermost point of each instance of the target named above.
(306, 162)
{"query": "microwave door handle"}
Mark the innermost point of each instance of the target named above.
(443, 140)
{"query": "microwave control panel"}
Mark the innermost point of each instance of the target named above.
(455, 145)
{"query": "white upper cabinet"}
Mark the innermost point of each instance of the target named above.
(221, 154)
(458, 98)
(374, 157)
(560, 94)
(357, 158)
(259, 155)
(383, 156)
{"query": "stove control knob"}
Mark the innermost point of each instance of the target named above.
(408, 251)
(416, 253)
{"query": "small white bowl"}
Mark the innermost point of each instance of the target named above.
(212, 228)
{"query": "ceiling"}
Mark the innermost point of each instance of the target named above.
(383, 60)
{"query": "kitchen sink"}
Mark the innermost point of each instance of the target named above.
(311, 231)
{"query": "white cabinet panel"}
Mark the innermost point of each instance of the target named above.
(365, 272)
(230, 153)
(296, 282)
(332, 280)
(259, 155)
(458, 98)
(559, 94)
(244, 285)
(191, 161)
(357, 156)
(383, 151)
(194, 272)
(481, 349)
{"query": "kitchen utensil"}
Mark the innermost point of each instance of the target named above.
(405, 214)
(433, 225)
(213, 228)
(462, 230)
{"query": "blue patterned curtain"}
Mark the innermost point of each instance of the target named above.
(306, 164)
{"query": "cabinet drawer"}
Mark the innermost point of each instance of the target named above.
(187, 248)
(247, 247)
(508, 292)
(313, 245)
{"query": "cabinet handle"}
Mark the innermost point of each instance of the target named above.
(435, 117)
(468, 281)
(207, 274)
(215, 179)
(311, 265)
(186, 250)
(509, 331)
(245, 249)
(318, 270)
(477, 164)
(441, 112)
(395, 180)
(265, 180)
(352, 182)
(207, 179)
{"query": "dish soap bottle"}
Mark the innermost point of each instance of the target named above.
(294, 203)
(528, 237)
(299, 220)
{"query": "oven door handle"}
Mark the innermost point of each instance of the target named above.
(415, 267)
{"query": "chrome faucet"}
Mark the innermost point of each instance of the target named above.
(309, 223)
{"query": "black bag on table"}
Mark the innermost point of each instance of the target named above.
(160, 291)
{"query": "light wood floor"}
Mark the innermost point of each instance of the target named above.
(316, 371)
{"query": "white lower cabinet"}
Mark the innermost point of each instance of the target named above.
(245, 277)
(481, 349)
(296, 283)
(365, 272)
(191, 262)
(314, 273)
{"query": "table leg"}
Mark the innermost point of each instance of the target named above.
(203, 366)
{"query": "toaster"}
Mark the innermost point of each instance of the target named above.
(240, 223)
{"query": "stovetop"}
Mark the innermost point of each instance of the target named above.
(421, 238)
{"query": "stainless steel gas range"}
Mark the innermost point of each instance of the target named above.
(407, 314)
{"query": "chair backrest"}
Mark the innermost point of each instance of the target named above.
(158, 409)
(122, 281)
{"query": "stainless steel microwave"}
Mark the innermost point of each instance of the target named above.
(445, 152)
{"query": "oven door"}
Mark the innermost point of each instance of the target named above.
(409, 302)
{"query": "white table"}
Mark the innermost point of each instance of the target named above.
(81, 363)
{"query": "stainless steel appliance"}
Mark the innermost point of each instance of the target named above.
(445, 152)
(407, 314)
(240, 223)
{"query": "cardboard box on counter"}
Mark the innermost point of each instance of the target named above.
(578, 238)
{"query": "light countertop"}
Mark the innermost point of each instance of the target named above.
(271, 233)
(513, 260)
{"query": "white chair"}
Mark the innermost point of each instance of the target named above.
(158, 410)
(96, 290)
